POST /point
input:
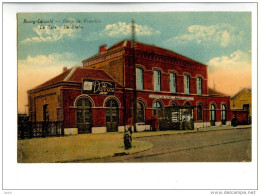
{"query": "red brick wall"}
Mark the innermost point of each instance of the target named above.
(98, 110)
(149, 65)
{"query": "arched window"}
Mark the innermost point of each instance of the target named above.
(174, 103)
(112, 115)
(187, 104)
(212, 114)
(140, 112)
(158, 109)
(223, 114)
(84, 115)
(188, 111)
(199, 112)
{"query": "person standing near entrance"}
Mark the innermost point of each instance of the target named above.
(128, 135)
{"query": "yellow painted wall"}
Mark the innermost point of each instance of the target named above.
(244, 98)
(49, 97)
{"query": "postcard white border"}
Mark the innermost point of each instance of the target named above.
(116, 175)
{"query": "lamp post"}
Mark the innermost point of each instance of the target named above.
(134, 75)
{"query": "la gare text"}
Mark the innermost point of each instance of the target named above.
(63, 27)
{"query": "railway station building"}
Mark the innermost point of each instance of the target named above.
(121, 83)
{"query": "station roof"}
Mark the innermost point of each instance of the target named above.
(76, 74)
(147, 48)
(240, 92)
(215, 92)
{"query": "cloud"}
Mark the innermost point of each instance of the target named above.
(222, 34)
(34, 71)
(45, 34)
(51, 60)
(236, 60)
(230, 73)
(121, 28)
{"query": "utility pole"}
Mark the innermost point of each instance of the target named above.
(134, 75)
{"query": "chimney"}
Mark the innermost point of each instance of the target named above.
(103, 49)
(65, 69)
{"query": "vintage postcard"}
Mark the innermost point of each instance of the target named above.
(83, 76)
(104, 88)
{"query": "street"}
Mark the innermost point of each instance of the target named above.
(212, 146)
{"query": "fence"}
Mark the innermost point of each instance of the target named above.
(27, 129)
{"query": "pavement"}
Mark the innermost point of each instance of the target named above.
(212, 128)
(222, 145)
(97, 146)
(174, 134)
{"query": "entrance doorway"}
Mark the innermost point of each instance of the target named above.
(84, 115)
(112, 115)
(178, 117)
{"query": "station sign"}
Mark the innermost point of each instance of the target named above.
(170, 97)
(98, 87)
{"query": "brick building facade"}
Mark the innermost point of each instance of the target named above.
(100, 96)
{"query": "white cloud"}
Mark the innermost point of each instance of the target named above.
(34, 71)
(45, 34)
(51, 60)
(222, 34)
(230, 73)
(121, 28)
(236, 60)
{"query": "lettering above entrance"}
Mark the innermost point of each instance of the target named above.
(171, 97)
(98, 87)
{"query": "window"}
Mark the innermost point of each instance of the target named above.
(158, 109)
(199, 113)
(246, 107)
(187, 84)
(140, 112)
(199, 85)
(223, 113)
(157, 80)
(212, 114)
(173, 82)
(139, 79)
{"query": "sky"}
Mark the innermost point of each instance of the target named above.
(47, 42)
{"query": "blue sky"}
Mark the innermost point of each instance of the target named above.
(222, 40)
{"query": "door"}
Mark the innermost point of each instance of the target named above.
(84, 115)
(112, 116)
